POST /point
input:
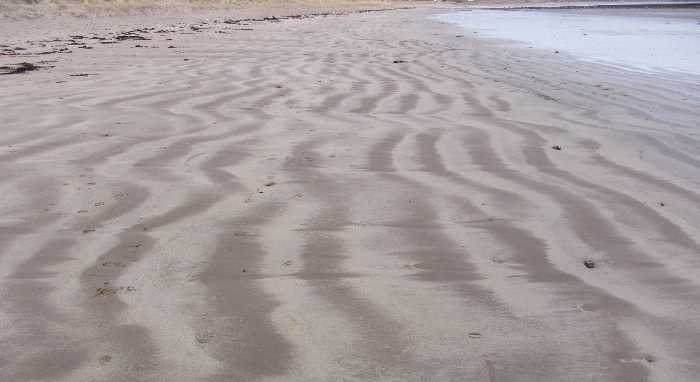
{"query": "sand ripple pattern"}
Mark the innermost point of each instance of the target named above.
(363, 197)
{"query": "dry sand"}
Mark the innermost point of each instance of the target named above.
(367, 197)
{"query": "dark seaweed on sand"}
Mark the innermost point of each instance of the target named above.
(18, 68)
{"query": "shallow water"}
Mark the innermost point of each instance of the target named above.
(651, 40)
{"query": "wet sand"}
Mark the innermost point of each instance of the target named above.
(660, 41)
(371, 196)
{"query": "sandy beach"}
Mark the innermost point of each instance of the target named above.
(367, 196)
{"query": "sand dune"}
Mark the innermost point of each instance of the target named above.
(358, 197)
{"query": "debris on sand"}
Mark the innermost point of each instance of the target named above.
(474, 335)
(270, 184)
(130, 36)
(19, 68)
(556, 147)
(399, 61)
(203, 337)
(244, 234)
(105, 359)
(107, 290)
(113, 264)
(590, 264)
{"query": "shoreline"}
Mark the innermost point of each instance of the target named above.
(372, 196)
(583, 5)
(638, 43)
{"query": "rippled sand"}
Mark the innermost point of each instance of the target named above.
(368, 197)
